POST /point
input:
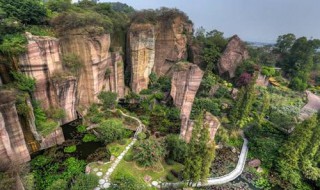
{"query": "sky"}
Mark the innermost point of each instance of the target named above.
(251, 20)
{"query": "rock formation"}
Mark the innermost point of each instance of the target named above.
(171, 43)
(141, 38)
(156, 47)
(211, 121)
(184, 86)
(13, 148)
(93, 54)
(115, 80)
(232, 57)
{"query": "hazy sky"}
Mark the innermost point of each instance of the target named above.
(252, 20)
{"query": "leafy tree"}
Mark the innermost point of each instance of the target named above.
(27, 11)
(112, 130)
(177, 149)
(285, 42)
(59, 5)
(108, 99)
(125, 181)
(148, 152)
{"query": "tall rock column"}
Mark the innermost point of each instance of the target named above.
(115, 77)
(184, 86)
(12, 143)
(141, 54)
(232, 57)
(171, 43)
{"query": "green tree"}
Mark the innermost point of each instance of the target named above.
(112, 130)
(177, 149)
(108, 99)
(148, 152)
(285, 42)
(85, 182)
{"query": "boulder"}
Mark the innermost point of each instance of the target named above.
(255, 163)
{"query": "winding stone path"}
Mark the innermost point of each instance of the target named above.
(104, 180)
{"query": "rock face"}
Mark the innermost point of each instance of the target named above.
(171, 43)
(12, 144)
(115, 80)
(211, 121)
(141, 39)
(184, 86)
(262, 80)
(93, 54)
(313, 106)
(156, 47)
(233, 56)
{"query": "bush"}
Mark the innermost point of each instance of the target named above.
(81, 129)
(268, 71)
(210, 105)
(89, 138)
(128, 157)
(148, 152)
(72, 63)
(85, 182)
(170, 177)
(177, 149)
(125, 181)
(170, 162)
(70, 149)
(108, 99)
(122, 141)
(40, 30)
(23, 82)
(112, 130)
(142, 136)
(56, 113)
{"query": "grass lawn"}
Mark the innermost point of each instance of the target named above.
(116, 149)
(157, 173)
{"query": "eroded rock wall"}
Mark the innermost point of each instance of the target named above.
(115, 78)
(185, 83)
(232, 57)
(141, 38)
(93, 53)
(171, 43)
(13, 147)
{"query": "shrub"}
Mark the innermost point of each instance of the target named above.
(268, 71)
(142, 136)
(72, 63)
(85, 182)
(58, 184)
(81, 129)
(89, 138)
(40, 30)
(23, 82)
(122, 141)
(56, 113)
(112, 130)
(125, 181)
(96, 119)
(170, 162)
(177, 148)
(108, 99)
(70, 149)
(148, 152)
(170, 177)
(128, 157)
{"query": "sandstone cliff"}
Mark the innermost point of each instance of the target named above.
(232, 57)
(184, 86)
(12, 144)
(156, 47)
(171, 43)
(141, 38)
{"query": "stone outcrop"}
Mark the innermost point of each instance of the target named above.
(312, 107)
(93, 54)
(115, 79)
(171, 43)
(141, 38)
(185, 82)
(210, 120)
(262, 80)
(13, 148)
(232, 57)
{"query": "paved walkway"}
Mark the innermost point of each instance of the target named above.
(219, 180)
(104, 179)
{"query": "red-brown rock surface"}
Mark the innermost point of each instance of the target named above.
(13, 147)
(233, 56)
(185, 82)
(171, 43)
(141, 38)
